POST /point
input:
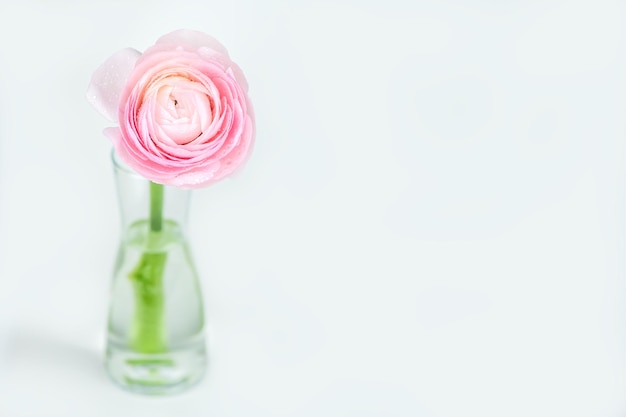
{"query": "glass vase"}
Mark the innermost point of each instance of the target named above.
(155, 342)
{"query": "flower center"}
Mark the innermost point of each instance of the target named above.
(182, 109)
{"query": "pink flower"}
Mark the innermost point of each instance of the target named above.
(182, 106)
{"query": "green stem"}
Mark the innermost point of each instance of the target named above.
(156, 206)
(147, 332)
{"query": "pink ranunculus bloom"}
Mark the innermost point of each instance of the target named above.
(182, 106)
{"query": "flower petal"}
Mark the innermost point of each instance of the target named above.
(114, 135)
(108, 81)
(193, 38)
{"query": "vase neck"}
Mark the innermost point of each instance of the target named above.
(134, 192)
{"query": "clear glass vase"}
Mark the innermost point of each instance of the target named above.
(155, 341)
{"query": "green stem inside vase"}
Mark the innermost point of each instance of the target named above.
(147, 332)
(156, 207)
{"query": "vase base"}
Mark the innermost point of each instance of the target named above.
(156, 374)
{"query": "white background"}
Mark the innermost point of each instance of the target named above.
(432, 223)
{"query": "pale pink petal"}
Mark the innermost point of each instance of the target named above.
(231, 68)
(236, 160)
(109, 80)
(193, 38)
(198, 178)
(114, 135)
(239, 77)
